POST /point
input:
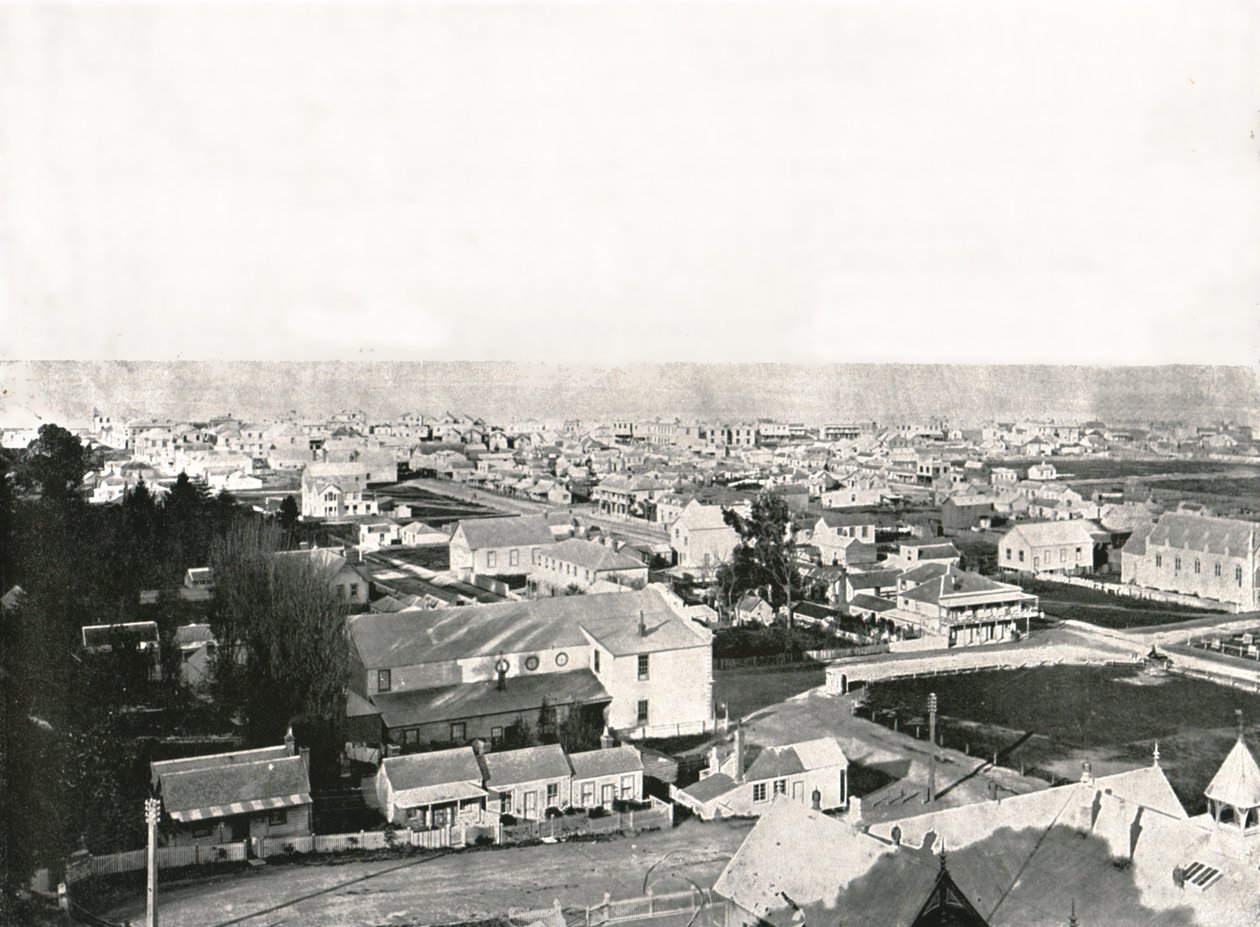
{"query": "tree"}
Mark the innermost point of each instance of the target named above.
(288, 513)
(765, 558)
(280, 624)
(56, 462)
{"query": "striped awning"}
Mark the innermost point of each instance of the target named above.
(239, 807)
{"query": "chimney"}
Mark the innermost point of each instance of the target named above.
(642, 625)
(992, 790)
(737, 747)
(305, 753)
(1087, 771)
(815, 800)
(290, 743)
(606, 739)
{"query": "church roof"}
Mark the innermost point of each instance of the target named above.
(1237, 782)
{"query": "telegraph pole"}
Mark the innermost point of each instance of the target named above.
(152, 811)
(931, 789)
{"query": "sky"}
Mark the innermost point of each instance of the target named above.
(608, 182)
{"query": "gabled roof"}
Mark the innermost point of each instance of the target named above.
(1041, 534)
(791, 759)
(710, 787)
(222, 787)
(588, 555)
(425, 770)
(1237, 782)
(1226, 536)
(700, 517)
(513, 767)
(607, 762)
(877, 579)
(509, 531)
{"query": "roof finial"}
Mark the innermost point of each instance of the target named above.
(1155, 755)
(1072, 918)
(941, 855)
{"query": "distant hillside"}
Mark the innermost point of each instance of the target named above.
(66, 391)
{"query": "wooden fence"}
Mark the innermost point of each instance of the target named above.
(168, 858)
(623, 910)
(791, 658)
(441, 838)
(660, 815)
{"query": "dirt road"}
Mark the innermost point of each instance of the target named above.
(462, 886)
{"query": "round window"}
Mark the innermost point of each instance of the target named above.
(561, 659)
(531, 663)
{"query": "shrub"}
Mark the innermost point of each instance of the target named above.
(598, 812)
(553, 812)
(507, 820)
(484, 840)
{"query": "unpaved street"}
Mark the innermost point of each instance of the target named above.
(461, 886)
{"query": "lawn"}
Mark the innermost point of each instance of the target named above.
(1050, 717)
(745, 691)
(1081, 603)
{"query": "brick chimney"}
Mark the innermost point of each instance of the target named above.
(737, 749)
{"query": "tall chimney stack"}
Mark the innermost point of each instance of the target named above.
(642, 625)
(290, 742)
(737, 746)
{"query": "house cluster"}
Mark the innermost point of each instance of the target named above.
(465, 785)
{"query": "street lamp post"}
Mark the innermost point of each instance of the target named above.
(931, 789)
(152, 812)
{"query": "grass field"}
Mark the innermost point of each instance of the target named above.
(746, 691)
(1080, 603)
(433, 509)
(1105, 468)
(1052, 717)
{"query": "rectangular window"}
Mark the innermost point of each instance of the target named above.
(277, 816)
(1159, 561)
(597, 661)
(491, 558)
(553, 793)
(1216, 570)
(458, 732)
(411, 737)
(1176, 564)
(533, 555)
(496, 736)
(588, 794)
(643, 711)
(643, 666)
(1078, 555)
(627, 787)
(759, 792)
(1238, 575)
(1063, 555)
(1008, 553)
(514, 557)
(1021, 556)
(505, 803)
(1196, 564)
(354, 590)
(382, 680)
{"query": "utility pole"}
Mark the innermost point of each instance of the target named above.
(931, 789)
(152, 811)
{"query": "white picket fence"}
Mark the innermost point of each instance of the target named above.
(168, 857)
(364, 840)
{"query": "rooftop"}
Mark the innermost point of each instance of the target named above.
(522, 692)
(588, 555)
(509, 531)
(512, 767)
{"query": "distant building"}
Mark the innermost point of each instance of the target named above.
(700, 538)
(574, 562)
(964, 608)
(508, 546)
(1050, 547)
(336, 490)
(1213, 558)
